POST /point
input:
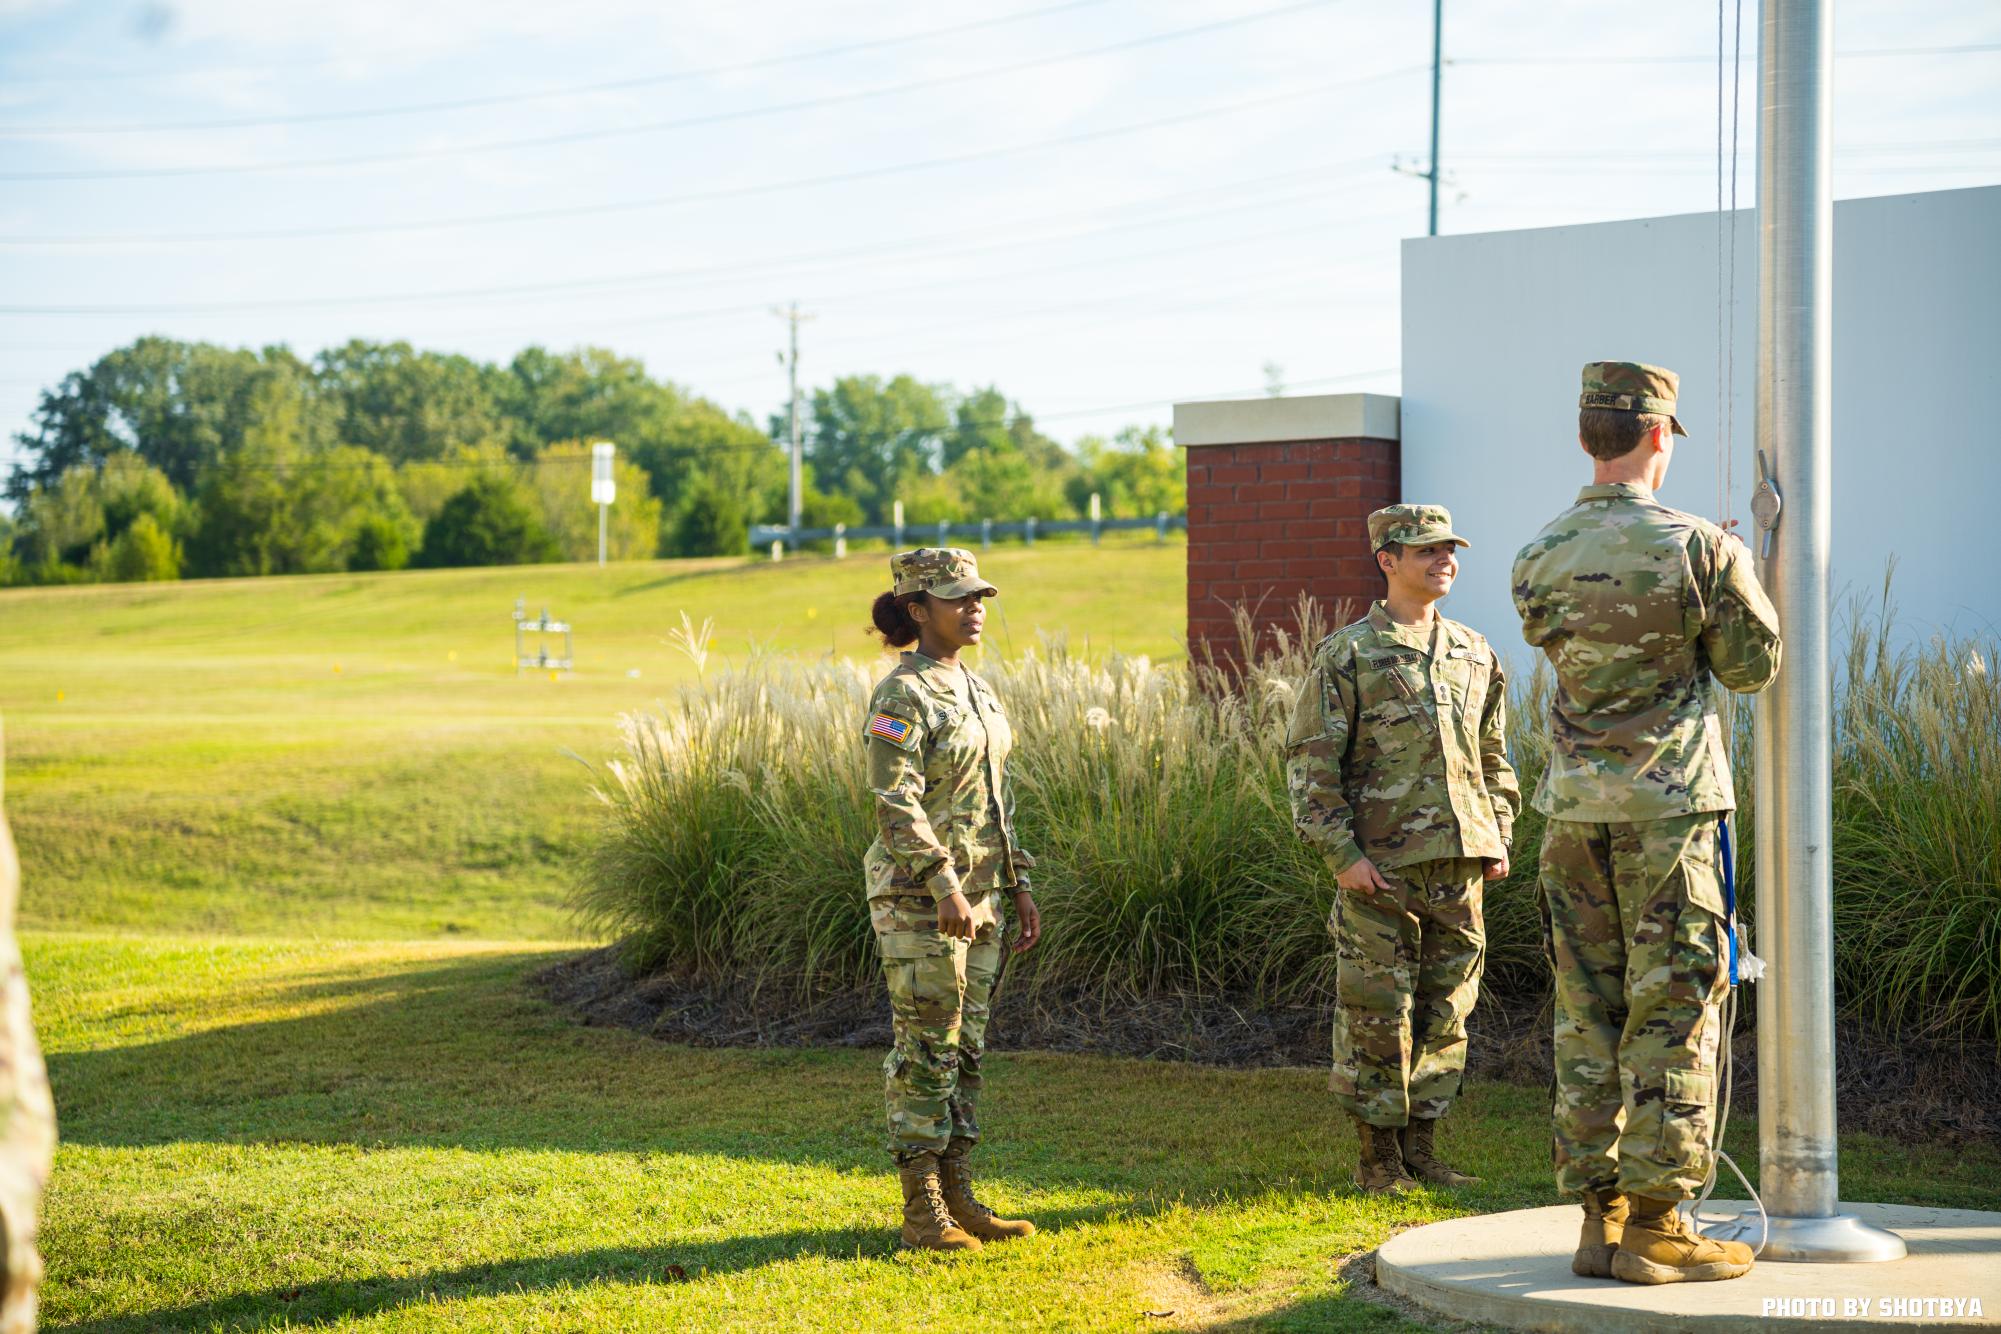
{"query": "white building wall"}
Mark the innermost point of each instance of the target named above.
(1496, 327)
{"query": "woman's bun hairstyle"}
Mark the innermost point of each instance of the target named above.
(891, 615)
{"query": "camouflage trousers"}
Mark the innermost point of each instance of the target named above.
(27, 1121)
(27, 1139)
(1407, 973)
(1636, 937)
(940, 995)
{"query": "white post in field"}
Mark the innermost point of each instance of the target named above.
(603, 489)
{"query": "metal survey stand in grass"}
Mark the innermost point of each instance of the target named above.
(541, 627)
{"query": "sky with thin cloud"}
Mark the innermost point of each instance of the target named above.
(1100, 206)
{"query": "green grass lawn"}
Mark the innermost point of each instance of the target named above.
(399, 1136)
(279, 920)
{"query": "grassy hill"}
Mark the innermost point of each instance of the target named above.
(355, 755)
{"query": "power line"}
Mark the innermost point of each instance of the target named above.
(960, 323)
(1899, 146)
(1969, 48)
(568, 137)
(907, 248)
(505, 99)
(1618, 168)
(1288, 273)
(925, 245)
(709, 196)
(1259, 390)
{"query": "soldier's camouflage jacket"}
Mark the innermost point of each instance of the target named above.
(937, 764)
(1636, 606)
(1397, 749)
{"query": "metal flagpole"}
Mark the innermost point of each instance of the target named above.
(1797, 1159)
(1437, 69)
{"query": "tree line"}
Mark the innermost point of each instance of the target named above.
(166, 459)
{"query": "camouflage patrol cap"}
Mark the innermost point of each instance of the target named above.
(943, 572)
(1631, 386)
(1412, 525)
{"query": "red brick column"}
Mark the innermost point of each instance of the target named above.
(1269, 519)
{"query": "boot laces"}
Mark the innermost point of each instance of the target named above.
(964, 1184)
(934, 1195)
(961, 1185)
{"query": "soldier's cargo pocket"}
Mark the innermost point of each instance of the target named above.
(1698, 959)
(1701, 877)
(1687, 1099)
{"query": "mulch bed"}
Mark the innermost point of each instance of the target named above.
(1907, 1089)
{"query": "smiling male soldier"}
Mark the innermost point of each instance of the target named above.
(1638, 607)
(1399, 777)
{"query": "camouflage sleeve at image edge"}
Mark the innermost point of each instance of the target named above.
(1504, 791)
(1323, 721)
(1740, 631)
(896, 777)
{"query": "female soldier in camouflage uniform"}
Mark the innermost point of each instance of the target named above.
(944, 856)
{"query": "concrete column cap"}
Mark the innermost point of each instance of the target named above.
(1249, 421)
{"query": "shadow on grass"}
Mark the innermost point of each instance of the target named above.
(461, 1054)
(712, 567)
(454, 1053)
(694, 1263)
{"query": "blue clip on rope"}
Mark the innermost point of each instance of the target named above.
(1729, 891)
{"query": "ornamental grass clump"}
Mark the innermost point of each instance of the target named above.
(1153, 798)
(735, 823)
(1917, 832)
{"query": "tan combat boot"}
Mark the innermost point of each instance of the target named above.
(1605, 1214)
(1659, 1247)
(972, 1216)
(1380, 1171)
(927, 1223)
(1418, 1159)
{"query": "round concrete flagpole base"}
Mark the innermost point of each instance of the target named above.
(1513, 1270)
(1842, 1239)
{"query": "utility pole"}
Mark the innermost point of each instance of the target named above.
(1437, 70)
(1431, 173)
(1798, 1166)
(793, 316)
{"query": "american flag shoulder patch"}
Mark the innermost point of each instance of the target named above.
(890, 728)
